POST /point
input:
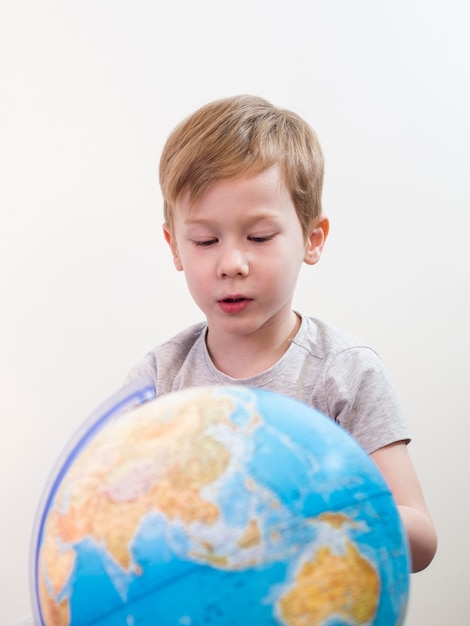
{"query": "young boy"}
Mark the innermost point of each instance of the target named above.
(242, 182)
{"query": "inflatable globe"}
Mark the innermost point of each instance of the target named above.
(217, 506)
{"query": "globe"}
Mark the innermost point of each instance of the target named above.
(217, 506)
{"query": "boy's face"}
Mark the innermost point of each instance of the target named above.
(241, 247)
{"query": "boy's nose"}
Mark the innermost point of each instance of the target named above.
(232, 262)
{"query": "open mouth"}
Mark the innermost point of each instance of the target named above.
(237, 304)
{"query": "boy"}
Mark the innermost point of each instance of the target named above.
(242, 182)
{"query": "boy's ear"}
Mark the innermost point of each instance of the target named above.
(171, 241)
(316, 240)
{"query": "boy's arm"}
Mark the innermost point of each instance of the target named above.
(397, 468)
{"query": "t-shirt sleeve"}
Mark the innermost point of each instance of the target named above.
(146, 368)
(362, 399)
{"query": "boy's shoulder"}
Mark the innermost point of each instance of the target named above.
(169, 355)
(325, 338)
(184, 340)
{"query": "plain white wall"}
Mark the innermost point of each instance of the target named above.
(89, 91)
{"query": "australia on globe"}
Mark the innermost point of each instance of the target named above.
(218, 506)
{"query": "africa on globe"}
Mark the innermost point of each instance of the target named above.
(217, 506)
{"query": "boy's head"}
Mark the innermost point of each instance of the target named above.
(238, 136)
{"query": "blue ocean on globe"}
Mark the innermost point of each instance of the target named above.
(217, 506)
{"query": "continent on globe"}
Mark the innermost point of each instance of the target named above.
(324, 582)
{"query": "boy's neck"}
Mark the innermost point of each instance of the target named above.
(246, 356)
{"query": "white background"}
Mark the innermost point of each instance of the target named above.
(89, 91)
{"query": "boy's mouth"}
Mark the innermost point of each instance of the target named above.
(234, 304)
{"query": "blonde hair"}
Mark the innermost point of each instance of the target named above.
(242, 135)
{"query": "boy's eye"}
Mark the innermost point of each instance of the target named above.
(260, 239)
(205, 242)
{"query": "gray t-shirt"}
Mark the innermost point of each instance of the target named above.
(323, 367)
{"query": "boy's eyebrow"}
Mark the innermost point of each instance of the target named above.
(264, 216)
